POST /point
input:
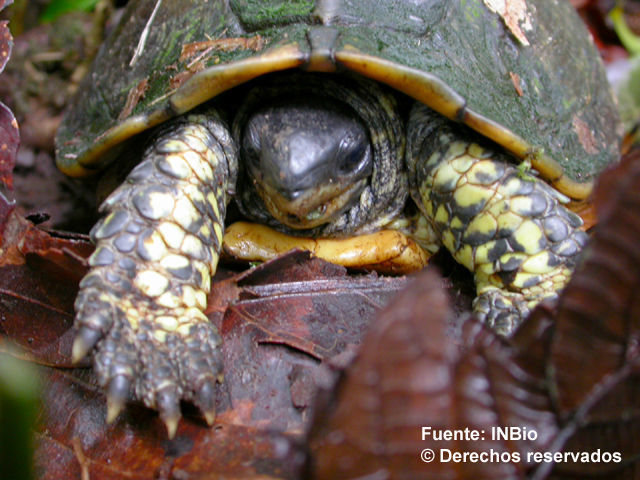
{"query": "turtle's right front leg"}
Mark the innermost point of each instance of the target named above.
(141, 305)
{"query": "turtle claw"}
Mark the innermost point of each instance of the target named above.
(205, 400)
(114, 407)
(117, 395)
(84, 342)
(168, 404)
(210, 416)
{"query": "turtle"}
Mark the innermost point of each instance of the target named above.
(325, 119)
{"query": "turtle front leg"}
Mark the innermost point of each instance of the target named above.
(504, 225)
(141, 305)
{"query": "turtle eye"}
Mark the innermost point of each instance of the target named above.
(353, 153)
(251, 142)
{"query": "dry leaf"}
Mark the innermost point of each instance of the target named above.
(135, 95)
(190, 50)
(515, 16)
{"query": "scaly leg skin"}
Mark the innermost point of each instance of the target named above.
(141, 304)
(507, 227)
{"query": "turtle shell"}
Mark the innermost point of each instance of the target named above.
(528, 78)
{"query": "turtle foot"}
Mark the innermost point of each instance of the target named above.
(500, 310)
(156, 356)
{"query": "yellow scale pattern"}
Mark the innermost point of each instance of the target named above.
(171, 247)
(156, 251)
(507, 228)
(469, 172)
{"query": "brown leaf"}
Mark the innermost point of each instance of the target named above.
(515, 79)
(515, 16)
(9, 138)
(133, 97)
(39, 276)
(11, 226)
(6, 40)
(409, 375)
(600, 309)
(73, 432)
(190, 50)
(593, 352)
(178, 79)
(607, 189)
(292, 317)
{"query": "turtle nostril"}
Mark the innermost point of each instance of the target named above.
(291, 195)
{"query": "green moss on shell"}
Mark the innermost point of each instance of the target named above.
(259, 14)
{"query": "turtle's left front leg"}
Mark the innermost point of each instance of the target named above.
(504, 225)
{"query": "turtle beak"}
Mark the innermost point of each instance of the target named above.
(309, 162)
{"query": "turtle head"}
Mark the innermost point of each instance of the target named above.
(309, 160)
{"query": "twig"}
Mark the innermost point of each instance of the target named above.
(145, 33)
